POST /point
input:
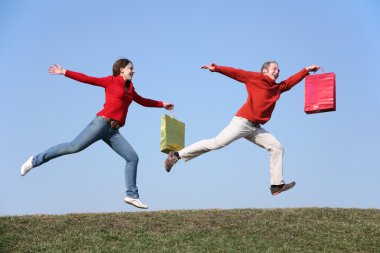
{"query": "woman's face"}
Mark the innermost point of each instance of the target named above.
(127, 72)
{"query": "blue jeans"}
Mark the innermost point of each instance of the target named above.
(98, 129)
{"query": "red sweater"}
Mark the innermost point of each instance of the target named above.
(263, 92)
(118, 98)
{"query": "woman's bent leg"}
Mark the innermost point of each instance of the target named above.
(122, 147)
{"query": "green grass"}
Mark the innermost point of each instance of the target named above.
(238, 230)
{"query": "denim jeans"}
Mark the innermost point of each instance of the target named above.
(98, 129)
(242, 128)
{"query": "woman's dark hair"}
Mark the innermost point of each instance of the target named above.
(121, 63)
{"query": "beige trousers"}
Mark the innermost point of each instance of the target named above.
(242, 128)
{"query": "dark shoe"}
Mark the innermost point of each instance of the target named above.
(277, 189)
(170, 161)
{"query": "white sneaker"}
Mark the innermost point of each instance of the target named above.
(27, 166)
(135, 202)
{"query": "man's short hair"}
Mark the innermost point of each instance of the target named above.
(266, 65)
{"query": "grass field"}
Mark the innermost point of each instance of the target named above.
(237, 230)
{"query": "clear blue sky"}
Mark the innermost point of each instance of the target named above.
(333, 157)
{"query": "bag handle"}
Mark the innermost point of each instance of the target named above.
(172, 113)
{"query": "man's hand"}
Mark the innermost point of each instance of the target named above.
(56, 69)
(313, 68)
(209, 67)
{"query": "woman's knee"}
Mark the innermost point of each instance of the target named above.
(134, 158)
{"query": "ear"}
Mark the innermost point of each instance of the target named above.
(265, 71)
(121, 70)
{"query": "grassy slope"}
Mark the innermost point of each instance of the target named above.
(241, 230)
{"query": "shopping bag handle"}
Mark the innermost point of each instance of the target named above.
(172, 113)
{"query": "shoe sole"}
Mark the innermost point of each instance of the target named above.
(277, 193)
(24, 171)
(166, 168)
(141, 207)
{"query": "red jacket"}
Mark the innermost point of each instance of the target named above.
(118, 98)
(263, 92)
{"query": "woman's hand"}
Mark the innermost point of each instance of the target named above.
(168, 106)
(56, 69)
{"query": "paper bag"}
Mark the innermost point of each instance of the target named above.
(320, 95)
(172, 134)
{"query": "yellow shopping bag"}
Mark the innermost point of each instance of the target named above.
(172, 134)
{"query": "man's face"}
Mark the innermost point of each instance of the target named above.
(273, 71)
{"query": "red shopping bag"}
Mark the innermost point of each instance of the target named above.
(320, 93)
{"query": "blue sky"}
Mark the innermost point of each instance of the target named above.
(332, 156)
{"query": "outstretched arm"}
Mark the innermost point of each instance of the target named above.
(237, 74)
(56, 69)
(293, 80)
(150, 102)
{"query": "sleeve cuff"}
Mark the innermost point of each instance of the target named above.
(67, 73)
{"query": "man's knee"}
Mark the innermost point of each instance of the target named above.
(277, 147)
